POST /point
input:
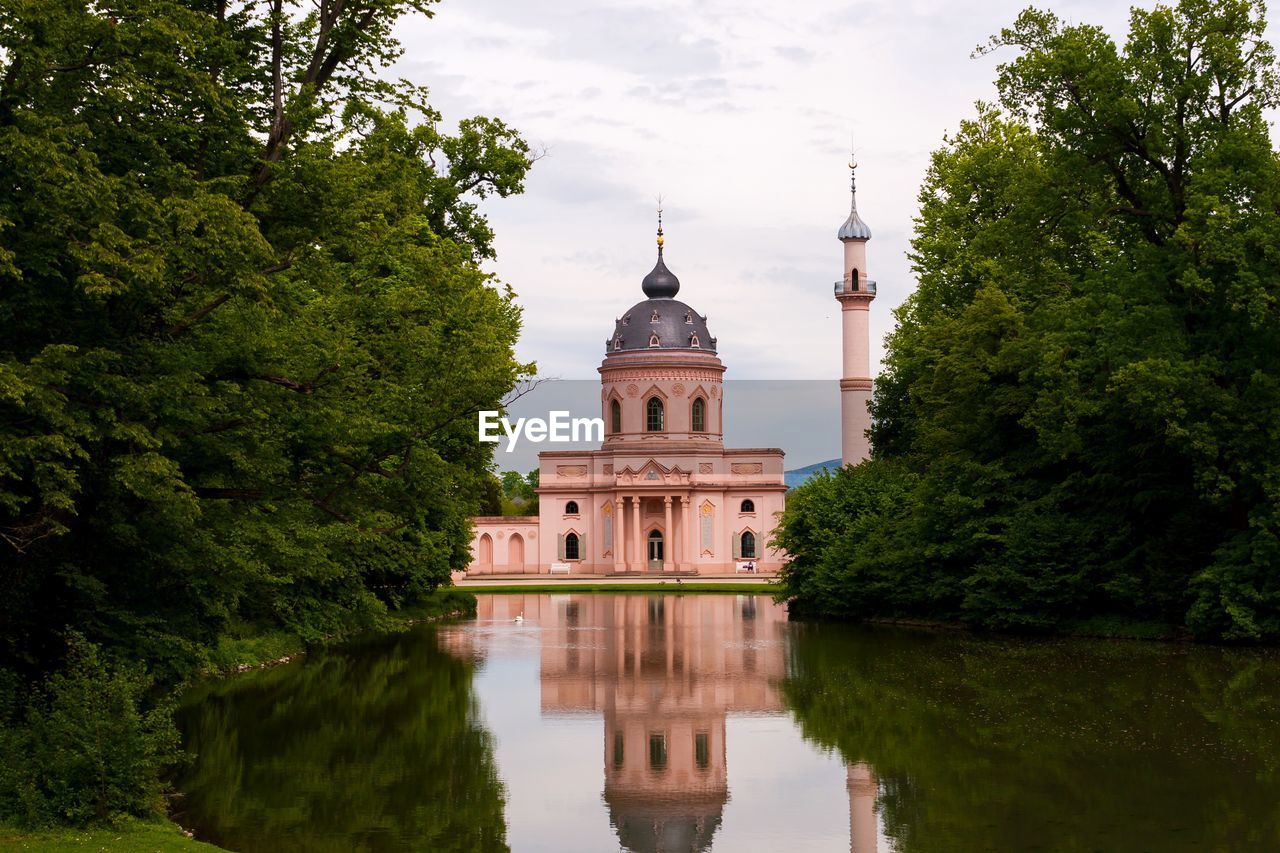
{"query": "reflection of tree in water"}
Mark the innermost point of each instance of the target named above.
(1067, 745)
(375, 746)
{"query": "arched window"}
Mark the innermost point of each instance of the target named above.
(698, 417)
(615, 416)
(748, 545)
(654, 342)
(748, 506)
(653, 415)
(571, 508)
(853, 279)
(694, 343)
(571, 546)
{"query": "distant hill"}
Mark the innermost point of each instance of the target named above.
(799, 475)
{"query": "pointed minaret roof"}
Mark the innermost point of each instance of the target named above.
(660, 283)
(854, 228)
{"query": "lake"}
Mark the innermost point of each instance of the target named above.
(710, 722)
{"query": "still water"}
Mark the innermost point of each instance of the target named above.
(709, 722)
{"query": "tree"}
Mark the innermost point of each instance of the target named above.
(245, 329)
(1085, 381)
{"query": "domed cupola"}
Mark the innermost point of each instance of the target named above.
(661, 321)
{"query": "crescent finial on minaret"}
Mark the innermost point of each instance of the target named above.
(853, 228)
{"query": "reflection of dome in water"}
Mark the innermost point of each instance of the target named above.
(650, 823)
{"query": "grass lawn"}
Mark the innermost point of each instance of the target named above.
(133, 836)
(668, 587)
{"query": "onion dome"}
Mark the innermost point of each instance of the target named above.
(854, 228)
(660, 283)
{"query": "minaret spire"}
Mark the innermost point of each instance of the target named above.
(855, 291)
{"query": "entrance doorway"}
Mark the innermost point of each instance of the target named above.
(655, 550)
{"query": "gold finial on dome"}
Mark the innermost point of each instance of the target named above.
(660, 240)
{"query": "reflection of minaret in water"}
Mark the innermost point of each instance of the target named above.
(864, 830)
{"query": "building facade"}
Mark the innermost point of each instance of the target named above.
(662, 494)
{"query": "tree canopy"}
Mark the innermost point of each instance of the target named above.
(244, 322)
(1080, 410)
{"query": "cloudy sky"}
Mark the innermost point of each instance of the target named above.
(740, 113)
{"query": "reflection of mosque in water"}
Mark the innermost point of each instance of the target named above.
(665, 672)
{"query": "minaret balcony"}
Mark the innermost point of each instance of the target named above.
(849, 284)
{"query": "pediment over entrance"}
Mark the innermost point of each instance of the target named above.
(653, 473)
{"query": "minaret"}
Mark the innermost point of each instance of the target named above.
(855, 291)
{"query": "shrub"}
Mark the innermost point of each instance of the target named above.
(90, 746)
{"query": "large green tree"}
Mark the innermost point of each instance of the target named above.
(1086, 382)
(243, 325)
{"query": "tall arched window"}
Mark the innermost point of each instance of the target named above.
(748, 545)
(615, 416)
(748, 506)
(571, 508)
(571, 546)
(699, 415)
(653, 415)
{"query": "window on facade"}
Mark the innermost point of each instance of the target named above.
(853, 279)
(571, 547)
(658, 751)
(615, 416)
(748, 506)
(653, 412)
(748, 545)
(699, 415)
(571, 508)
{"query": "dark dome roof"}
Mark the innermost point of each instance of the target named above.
(677, 326)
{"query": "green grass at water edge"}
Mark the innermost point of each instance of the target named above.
(132, 836)
(256, 647)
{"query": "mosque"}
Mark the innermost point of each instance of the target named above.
(662, 494)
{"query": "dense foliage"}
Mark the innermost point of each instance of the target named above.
(1080, 412)
(243, 334)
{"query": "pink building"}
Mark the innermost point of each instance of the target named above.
(663, 494)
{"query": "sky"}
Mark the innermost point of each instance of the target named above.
(741, 115)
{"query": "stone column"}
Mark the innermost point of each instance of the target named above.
(668, 540)
(637, 555)
(619, 533)
(686, 527)
(691, 523)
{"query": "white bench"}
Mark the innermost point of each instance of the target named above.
(746, 566)
(561, 568)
